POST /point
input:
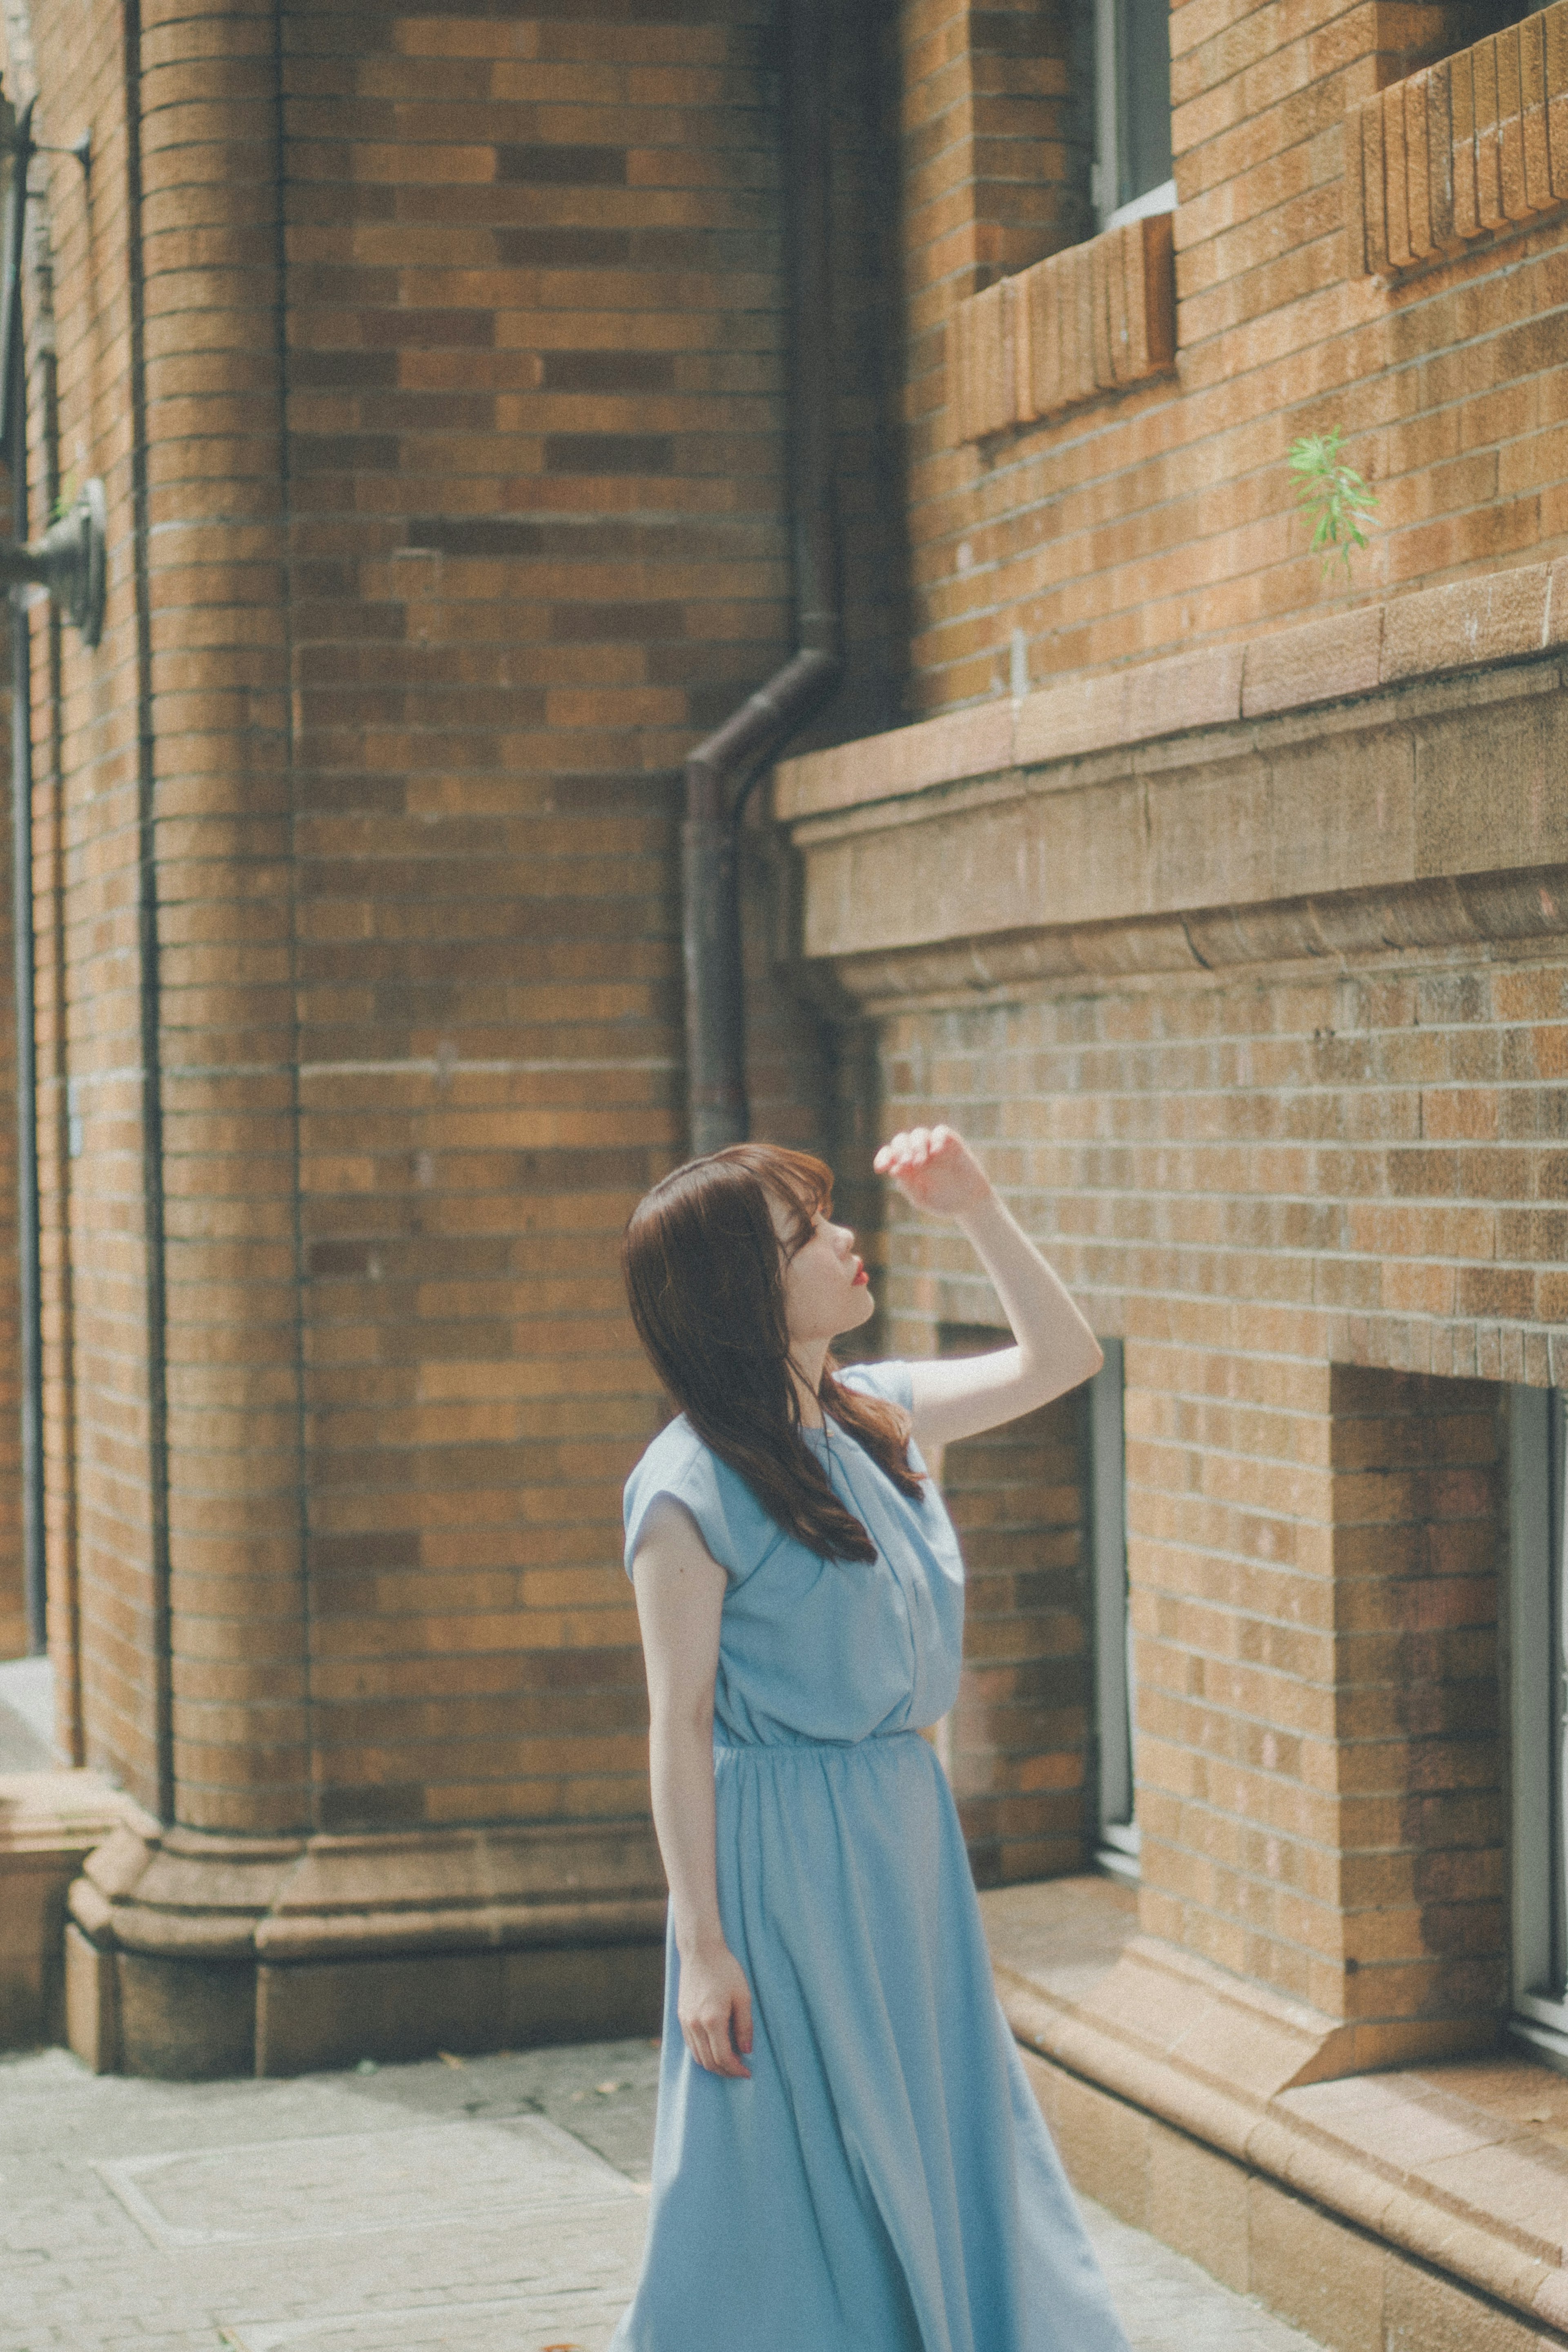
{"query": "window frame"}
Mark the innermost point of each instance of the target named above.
(1116, 1848)
(1111, 106)
(1538, 1733)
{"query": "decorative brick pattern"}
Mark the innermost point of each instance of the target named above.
(1475, 144)
(1081, 322)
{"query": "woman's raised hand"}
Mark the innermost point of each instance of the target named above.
(714, 2010)
(934, 1167)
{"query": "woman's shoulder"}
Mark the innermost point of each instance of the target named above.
(730, 1519)
(891, 1380)
(676, 1447)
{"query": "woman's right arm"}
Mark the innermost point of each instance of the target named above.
(680, 1591)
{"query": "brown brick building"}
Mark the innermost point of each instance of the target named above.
(436, 365)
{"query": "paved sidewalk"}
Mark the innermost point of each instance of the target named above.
(490, 2205)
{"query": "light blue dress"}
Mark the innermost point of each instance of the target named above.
(884, 2181)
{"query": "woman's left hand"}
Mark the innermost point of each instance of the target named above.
(934, 1169)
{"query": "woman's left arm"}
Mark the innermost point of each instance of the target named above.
(934, 1169)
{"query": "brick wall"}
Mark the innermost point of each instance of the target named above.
(1020, 1742)
(1147, 520)
(1316, 1607)
(438, 356)
(535, 401)
(995, 170)
(97, 1404)
(1325, 1212)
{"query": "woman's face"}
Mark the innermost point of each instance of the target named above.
(825, 1286)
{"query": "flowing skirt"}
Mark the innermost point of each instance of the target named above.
(885, 2182)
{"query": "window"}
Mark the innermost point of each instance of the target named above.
(1132, 110)
(1118, 1841)
(1538, 1657)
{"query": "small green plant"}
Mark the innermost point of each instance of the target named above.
(65, 497)
(1332, 496)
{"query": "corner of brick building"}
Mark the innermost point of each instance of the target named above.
(442, 433)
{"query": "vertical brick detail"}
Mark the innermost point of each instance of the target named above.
(1020, 1731)
(1087, 321)
(993, 173)
(1461, 148)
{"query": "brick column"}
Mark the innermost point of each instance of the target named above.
(461, 517)
(1313, 1552)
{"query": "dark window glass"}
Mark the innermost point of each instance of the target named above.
(1145, 162)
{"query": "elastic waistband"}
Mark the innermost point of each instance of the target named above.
(874, 1742)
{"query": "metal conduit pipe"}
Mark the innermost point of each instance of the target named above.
(753, 735)
(29, 1284)
(68, 563)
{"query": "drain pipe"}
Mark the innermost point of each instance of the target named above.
(68, 563)
(753, 736)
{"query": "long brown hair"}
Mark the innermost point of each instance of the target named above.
(704, 1275)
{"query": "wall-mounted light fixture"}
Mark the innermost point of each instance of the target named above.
(67, 561)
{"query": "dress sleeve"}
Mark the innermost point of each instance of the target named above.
(729, 1519)
(893, 1380)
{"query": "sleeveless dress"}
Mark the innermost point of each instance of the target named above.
(885, 2182)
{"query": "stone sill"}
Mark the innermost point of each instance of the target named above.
(1459, 2161)
(1475, 144)
(1433, 632)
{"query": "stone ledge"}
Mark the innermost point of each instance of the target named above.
(1459, 2161)
(1500, 616)
(1421, 818)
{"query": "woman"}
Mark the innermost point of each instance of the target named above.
(848, 2155)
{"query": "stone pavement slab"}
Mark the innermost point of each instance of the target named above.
(480, 2205)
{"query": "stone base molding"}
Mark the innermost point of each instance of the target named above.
(1416, 2206)
(194, 1955)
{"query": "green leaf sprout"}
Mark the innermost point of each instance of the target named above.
(1332, 496)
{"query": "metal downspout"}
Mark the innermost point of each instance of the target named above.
(160, 1621)
(28, 1282)
(753, 735)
